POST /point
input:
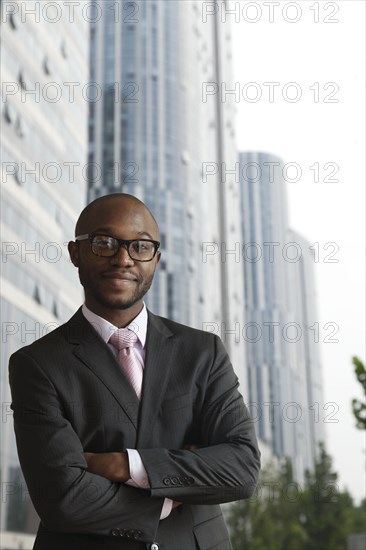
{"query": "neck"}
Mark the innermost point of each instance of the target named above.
(118, 317)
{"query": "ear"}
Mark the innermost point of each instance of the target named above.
(73, 249)
(158, 256)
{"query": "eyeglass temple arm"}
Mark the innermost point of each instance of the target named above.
(82, 237)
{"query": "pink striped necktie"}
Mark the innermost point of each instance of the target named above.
(124, 341)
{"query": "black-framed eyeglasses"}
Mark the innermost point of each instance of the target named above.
(140, 250)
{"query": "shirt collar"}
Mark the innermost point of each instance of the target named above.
(105, 329)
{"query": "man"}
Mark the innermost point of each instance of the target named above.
(128, 447)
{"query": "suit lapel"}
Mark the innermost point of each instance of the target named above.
(160, 348)
(91, 349)
(95, 354)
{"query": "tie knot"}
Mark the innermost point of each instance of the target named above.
(123, 338)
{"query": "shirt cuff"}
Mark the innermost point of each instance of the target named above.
(140, 480)
(166, 509)
(137, 470)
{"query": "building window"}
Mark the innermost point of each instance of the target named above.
(170, 291)
(22, 80)
(55, 309)
(36, 295)
(64, 50)
(9, 113)
(17, 176)
(19, 127)
(162, 241)
(46, 66)
(12, 20)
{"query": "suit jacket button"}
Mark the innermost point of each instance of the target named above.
(166, 481)
(174, 480)
(154, 546)
(115, 532)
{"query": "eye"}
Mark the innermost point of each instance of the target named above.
(140, 246)
(104, 242)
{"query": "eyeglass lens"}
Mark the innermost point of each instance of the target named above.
(108, 246)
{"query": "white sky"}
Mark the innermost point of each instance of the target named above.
(308, 132)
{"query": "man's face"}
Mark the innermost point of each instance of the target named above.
(118, 282)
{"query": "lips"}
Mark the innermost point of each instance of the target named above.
(119, 276)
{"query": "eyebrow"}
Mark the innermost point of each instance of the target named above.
(108, 230)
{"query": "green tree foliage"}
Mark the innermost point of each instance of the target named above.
(269, 519)
(359, 518)
(328, 512)
(359, 407)
(282, 515)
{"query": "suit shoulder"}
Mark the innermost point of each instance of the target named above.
(57, 340)
(48, 341)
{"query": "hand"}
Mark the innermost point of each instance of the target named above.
(189, 447)
(113, 466)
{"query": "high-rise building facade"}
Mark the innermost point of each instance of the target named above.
(284, 372)
(306, 358)
(264, 220)
(44, 68)
(162, 133)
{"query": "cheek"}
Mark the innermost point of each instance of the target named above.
(87, 270)
(83, 275)
(90, 262)
(147, 272)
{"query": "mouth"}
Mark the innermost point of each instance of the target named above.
(119, 277)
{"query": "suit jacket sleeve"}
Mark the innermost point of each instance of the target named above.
(66, 496)
(226, 465)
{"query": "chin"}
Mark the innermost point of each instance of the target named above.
(123, 305)
(118, 303)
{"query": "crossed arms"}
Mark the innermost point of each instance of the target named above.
(87, 493)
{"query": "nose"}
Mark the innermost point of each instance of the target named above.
(122, 257)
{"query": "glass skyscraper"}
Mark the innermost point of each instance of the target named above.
(306, 358)
(44, 69)
(284, 371)
(162, 133)
(159, 128)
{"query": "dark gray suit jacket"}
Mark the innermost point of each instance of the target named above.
(71, 396)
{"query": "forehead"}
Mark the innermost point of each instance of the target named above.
(121, 217)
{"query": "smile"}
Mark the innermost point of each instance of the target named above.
(120, 277)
